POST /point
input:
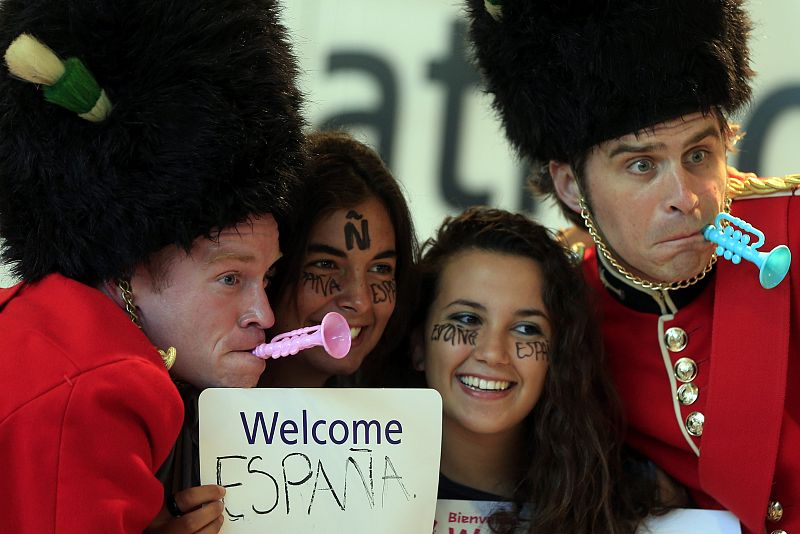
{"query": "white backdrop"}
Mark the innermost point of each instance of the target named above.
(396, 74)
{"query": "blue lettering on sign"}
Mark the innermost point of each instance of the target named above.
(338, 432)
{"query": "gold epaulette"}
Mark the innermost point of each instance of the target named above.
(574, 240)
(576, 253)
(748, 185)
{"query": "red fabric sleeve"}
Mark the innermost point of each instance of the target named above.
(120, 422)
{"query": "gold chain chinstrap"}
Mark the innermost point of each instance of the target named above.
(127, 297)
(167, 356)
(647, 284)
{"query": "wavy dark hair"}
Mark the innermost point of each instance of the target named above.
(573, 480)
(342, 172)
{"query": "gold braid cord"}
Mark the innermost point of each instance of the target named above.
(748, 185)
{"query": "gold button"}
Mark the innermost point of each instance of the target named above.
(687, 394)
(685, 369)
(694, 423)
(774, 511)
(676, 339)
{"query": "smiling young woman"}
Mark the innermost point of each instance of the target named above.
(352, 253)
(529, 416)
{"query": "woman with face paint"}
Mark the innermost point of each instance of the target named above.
(352, 253)
(529, 416)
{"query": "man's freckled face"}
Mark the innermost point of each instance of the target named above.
(212, 306)
(651, 195)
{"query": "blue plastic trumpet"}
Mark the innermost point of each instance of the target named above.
(733, 245)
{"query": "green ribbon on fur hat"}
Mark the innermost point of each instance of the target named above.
(68, 84)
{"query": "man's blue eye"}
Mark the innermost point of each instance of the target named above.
(698, 156)
(641, 166)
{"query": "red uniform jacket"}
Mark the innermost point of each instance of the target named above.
(745, 344)
(87, 413)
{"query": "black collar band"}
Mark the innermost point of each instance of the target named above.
(642, 299)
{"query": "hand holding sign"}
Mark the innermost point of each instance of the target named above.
(197, 509)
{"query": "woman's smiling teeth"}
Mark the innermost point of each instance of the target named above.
(354, 331)
(481, 384)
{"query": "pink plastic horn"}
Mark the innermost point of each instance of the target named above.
(333, 334)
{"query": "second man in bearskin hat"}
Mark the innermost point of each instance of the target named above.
(147, 160)
(624, 109)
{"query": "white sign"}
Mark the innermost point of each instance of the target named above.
(472, 517)
(323, 460)
(690, 521)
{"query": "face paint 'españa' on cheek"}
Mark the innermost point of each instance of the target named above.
(538, 350)
(321, 284)
(453, 334)
(386, 291)
(351, 233)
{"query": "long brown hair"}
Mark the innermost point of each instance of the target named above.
(573, 479)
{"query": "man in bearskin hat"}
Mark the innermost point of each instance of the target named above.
(147, 159)
(623, 109)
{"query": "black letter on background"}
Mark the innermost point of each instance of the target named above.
(751, 147)
(458, 77)
(382, 118)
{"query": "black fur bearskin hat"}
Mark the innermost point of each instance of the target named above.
(566, 75)
(201, 129)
